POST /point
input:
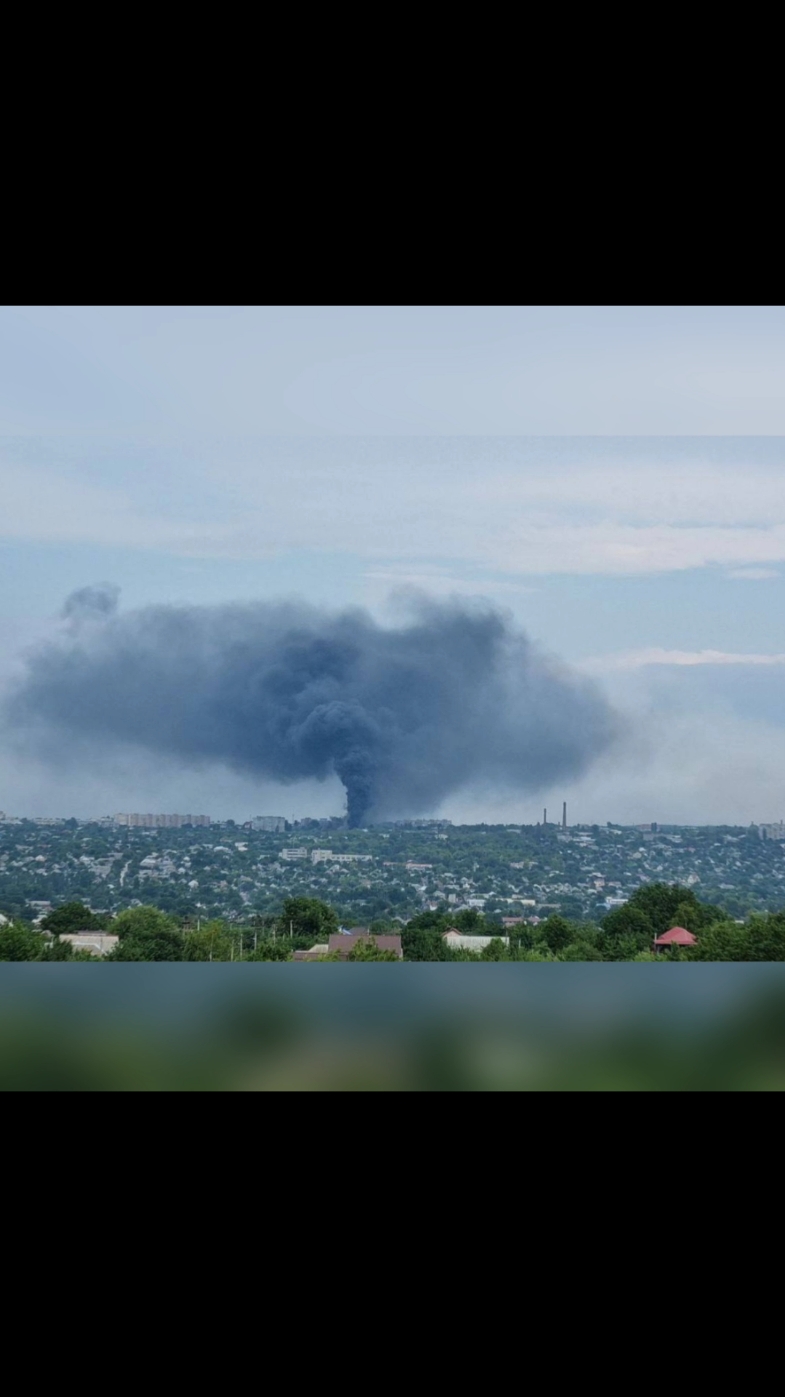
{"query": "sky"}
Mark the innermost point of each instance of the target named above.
(613, 478)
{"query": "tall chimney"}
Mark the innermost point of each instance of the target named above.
(564, 815)
(545, 817)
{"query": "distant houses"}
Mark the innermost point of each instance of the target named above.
(343, 943)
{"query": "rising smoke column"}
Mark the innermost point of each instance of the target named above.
(404, 715)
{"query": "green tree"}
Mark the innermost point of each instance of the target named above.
(142, 921)
(529, 937)
(760, 938)
(430, 921)
(664, 904)
(767, 935)
(308, 917)
(146, 933)
(689, 915)
(495, 950)
(19, 942)
(424, 943)
(72, 916)
(470, 922)
(625, 931)
(557, 932)
(212, 941)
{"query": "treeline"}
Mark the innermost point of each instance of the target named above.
(149, 934)
(625, 934)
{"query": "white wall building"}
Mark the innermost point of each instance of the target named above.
(471, 943)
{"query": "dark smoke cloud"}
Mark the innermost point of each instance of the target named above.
(404, 716)
(91, 603)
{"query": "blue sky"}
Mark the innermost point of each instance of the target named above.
(614, 477)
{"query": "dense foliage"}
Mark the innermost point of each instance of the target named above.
(627, 933)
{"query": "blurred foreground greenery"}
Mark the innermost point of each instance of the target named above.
(272, 1040)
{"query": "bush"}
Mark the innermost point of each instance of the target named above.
(495, 950)
(368, 950)
(269, 949)
(580, 950)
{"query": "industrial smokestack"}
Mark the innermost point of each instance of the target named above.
(564, 815)
(545, 817)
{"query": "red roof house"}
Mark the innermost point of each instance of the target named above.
(677, 936)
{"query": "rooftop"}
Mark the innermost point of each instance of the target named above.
(677, 936)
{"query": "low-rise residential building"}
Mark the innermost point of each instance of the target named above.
(342, 943)
(98, 943)
(458, 941)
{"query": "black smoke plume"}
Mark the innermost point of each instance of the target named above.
(406, 715)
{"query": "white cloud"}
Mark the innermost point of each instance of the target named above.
(638, 659)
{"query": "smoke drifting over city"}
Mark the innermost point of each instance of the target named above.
(405, 716)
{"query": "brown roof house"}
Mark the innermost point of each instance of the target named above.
(343, 942)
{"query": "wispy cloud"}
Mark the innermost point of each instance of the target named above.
(638, 659)
(754, 574)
